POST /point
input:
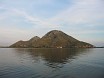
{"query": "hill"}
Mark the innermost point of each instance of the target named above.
(53, 39)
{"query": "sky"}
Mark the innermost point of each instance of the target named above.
(24, 19)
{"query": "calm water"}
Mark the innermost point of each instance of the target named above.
(51, 63)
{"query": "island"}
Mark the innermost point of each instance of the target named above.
(52, 39)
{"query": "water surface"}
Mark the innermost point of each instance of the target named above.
(51, 63)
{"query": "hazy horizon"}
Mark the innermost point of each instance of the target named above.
(24, 19)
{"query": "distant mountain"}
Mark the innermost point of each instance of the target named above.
(53, 39)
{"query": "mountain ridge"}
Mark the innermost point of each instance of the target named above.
(52, 39)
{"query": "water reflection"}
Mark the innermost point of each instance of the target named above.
(54, 58)
(51, 63)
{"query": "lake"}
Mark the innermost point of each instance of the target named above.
(51, 63)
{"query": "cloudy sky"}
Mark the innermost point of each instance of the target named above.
(23, 19)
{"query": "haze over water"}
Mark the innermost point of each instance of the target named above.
(51, 63)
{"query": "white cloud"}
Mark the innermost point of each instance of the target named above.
(2, 16)
(82, 11)
(32, 19)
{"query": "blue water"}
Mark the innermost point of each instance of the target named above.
(51, 63)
